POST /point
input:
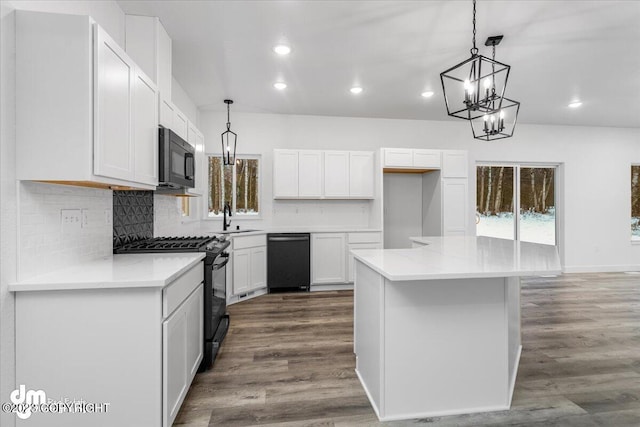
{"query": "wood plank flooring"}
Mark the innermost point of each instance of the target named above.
(288, 361)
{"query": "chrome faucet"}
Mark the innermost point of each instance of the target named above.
(226, 224)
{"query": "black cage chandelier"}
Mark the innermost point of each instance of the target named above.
(229, 139)
(474, 90)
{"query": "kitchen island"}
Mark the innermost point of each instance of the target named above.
(437, 327)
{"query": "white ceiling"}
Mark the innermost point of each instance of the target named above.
(558, 51)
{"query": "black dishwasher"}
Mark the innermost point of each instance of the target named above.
(288, 260)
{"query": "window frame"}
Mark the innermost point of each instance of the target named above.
(632, 239)
(235, 215)
(517, 166)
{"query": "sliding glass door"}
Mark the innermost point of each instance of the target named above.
(516, 202)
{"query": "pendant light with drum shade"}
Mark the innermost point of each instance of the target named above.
(474, 90)
(229, 139)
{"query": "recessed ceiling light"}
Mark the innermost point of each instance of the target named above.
(427, 94)
(356, 90)
(575, 104)
(282, 49)
(280, 85)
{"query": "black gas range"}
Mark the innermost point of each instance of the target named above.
(216, 319)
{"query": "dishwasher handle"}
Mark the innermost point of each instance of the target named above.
(289, 239)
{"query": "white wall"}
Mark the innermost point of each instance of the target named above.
(596, 167)
(181, 100)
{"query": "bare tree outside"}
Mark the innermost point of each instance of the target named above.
(495, 207)
(635, 202)
(223, 182)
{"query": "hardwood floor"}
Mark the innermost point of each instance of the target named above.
(288, 361)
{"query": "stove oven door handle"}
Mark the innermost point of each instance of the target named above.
(221, 261)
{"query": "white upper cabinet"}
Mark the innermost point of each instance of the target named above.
(195, 138)
(318, 174)
(145, 129)
(336, 174)
(407, 158)
(180, 124)
(83, 108)
(361, 166)
(398, 157)
(309, 174)
(149, 45)
(285, 174)
(113, 92)
(428, 159)
(167, 112)
(454, 164)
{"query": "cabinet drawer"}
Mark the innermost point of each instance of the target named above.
(249, 241)
(365, 237)
(174, 294)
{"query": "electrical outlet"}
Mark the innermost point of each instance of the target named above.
(71, 220)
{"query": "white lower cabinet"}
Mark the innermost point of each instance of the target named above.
(328, 254)
(249, 262)
(182, 353)
(350, 257)
(136, 348)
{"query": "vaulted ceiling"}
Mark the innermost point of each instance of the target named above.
(559, 51)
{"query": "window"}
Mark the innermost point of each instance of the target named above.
(635, 203)
(516, 202)
(237, 184)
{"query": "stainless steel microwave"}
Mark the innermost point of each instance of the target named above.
(177, 165)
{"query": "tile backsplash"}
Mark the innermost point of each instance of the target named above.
(43, 244)
(132, 216)
(168, 220)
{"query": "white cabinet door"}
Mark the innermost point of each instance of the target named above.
(167, 111)
(285, 174)
(113, 93)
(194, 307)
(336, 174)
(174, 361)
(180, 124)
(398, 157)
(454, 206)
(164, 61)
(351, 259)
(201, 164)
(258, 273)
(145, 129)
(454, 164)
(310, 174)
(328, 258)
(429, 159)
(361, 167)
(241, 271)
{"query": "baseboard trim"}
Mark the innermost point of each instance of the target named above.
(366, 391)
(335, 287)
(600, 268)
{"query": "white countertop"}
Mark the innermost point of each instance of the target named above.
(117, 271)
(296, 230)
(462, 257)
